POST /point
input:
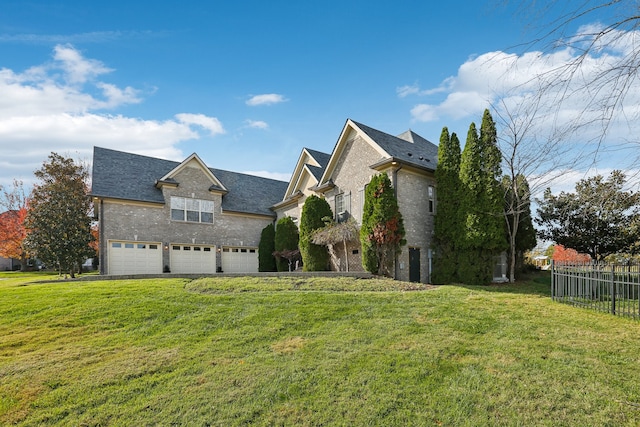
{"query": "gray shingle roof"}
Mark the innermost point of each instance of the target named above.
(322, 159)
(128, 176)
(408, 147)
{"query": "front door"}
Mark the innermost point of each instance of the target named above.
(414, 264)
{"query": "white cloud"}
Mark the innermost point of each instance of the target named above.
(407, 90)
(212, 124)
(77, 68)
(58, 106)
(257, 124)
(266, 99)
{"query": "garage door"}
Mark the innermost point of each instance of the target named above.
(135, 257)
(239, 260)
(195, 259)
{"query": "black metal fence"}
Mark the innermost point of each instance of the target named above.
(613, 288)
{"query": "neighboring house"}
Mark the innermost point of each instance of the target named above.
(341, 177)
(158, 216)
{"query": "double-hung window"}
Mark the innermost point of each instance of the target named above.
(432, 199)
(342, 206)
(191, 210)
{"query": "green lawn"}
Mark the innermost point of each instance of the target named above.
(306, 351)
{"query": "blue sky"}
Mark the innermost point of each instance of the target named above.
(245, 84)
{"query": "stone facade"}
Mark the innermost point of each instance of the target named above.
(145, 222)
(355, 159)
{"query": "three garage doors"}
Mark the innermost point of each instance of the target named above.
(126, 257)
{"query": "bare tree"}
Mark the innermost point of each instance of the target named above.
(595, 80)
(533, 156)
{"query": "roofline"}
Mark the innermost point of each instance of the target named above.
(289, 200)
(393, 161)
(297, 171)
(202, 164)
(337, 149)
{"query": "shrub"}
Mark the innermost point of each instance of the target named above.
(314, 257)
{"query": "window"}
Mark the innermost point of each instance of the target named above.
(342, 206)
(432, 199)
(191, 210)
(339, 203)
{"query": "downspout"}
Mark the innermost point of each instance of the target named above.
(394, 177)
(102, 243)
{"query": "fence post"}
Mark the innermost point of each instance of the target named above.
(613, 289)
(553, 293)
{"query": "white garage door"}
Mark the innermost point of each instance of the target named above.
(239, 260)
(135, 257)
(195, 259)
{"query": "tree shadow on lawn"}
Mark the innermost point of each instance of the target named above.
(532, 283)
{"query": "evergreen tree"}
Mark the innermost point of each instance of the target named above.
(447, 222)
(314, 257)
(286, 243)
(382, 232)
(266, 248)
(482, 204)
(58, 222)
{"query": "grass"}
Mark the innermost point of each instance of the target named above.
(309, 351)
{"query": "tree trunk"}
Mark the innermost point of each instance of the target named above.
(346, 256)
(512, 246)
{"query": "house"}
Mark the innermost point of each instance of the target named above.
(341, 178)
(184, 217)
(160, 216)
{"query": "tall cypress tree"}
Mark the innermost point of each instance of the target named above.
(286, 241)
(266, 260)
(382, 232)
(482, 203)
(314, 257)
(447, 222)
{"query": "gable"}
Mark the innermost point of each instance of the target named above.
(348, 134)
(134, 177)
(193, 162)
(308, 170)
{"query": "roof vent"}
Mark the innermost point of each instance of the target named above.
(409, 154)
(421, 158)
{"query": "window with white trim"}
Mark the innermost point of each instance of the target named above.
(431, 193)
(342, 206)
(191, 210)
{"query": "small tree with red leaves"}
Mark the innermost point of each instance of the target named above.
(13, 205)
(382, 232)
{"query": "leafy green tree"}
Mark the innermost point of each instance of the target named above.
(382, 232)
(286, 243)
(58, 220)
(266, 248)
(448, 230)
(599, 219)
(481, 204)
(314, 257)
